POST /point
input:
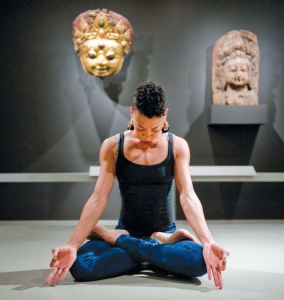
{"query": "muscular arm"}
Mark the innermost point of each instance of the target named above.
(97, 202)
(64, 256)
(189, 201)
(214, 255)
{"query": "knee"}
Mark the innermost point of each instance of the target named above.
(90, 267)
(199, 263)
(78, 273)
(81, 272)
(197, 266)
(201, 269)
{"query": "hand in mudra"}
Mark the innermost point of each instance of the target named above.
(215, 260)
(63, 259)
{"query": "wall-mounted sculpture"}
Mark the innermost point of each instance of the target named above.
(235, 69)
(102, 38)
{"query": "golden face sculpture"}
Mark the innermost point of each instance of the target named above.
(101, 57)
(102, 38)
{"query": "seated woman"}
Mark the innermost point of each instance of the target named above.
(145, 158)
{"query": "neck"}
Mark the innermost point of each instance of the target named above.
(146, 145)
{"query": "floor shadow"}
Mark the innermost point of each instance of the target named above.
(237, 283)
(149, 278)
(28, 279)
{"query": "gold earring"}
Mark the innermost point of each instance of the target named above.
(130, 125)
(166, 127)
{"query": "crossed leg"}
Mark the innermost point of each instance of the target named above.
(116, 252)
(97, 259)
(178, 253)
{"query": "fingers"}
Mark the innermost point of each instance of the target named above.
(209, 272)
(224, 260)
(220, 279)
(223, 264)
(215, 259)
(225, 254)
(55, 251)
(63, 274)
(215, 277)
(56, 276)
(49, 278)
(53, 261)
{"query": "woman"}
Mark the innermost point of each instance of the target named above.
(145, 159)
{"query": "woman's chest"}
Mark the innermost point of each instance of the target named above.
(146, 156)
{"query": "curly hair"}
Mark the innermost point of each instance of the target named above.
(150, 99)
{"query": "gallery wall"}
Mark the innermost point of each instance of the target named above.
(54, 117)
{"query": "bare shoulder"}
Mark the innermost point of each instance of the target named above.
(110, 142)
(181, 147)
(109, 146)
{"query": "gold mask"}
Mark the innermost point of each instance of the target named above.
(102, 38)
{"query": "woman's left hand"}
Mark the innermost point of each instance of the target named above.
(215, 259)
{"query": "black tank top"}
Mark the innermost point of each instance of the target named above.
(146, 192)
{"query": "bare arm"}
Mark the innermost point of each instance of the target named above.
(64, 256)
(214, 255)
(97, 202)
(189, 201)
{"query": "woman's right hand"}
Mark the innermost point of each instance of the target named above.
(63, 259)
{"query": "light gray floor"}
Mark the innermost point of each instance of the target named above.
(255, 266)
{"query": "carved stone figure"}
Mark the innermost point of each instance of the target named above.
(102, 38)
(235, 69)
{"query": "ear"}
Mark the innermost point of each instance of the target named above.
(131, 111)
(166, 112)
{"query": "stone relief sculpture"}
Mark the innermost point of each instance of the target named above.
(235, 69)
(102, 38)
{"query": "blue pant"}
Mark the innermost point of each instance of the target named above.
(97, 259)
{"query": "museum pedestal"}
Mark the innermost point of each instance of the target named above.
(227, 114)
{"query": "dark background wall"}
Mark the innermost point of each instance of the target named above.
(54, 116)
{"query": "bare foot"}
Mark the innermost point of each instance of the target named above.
(107, 235)
(170, 238)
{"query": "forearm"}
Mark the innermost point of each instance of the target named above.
(90, 215)
(194, 214)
